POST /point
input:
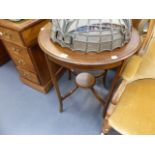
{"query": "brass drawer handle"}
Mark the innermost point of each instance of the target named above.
(7, 35)
(27, 75)
(16, 50)
(21, 62)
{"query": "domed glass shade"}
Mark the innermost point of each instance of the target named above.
(91, 35)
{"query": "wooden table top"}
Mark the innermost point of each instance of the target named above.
(69, 58)
(19, 25)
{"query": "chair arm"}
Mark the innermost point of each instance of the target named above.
(131, 67)
(129, 71)
(115, 98)
(119, 92)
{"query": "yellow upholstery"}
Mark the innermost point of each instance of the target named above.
(147, 66)
(135, 111)
(140, 67)
(132, 67)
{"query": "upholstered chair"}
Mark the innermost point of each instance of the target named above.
(132, 107)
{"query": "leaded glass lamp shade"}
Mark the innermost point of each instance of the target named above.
(91, 35)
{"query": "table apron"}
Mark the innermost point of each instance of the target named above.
(85, 67)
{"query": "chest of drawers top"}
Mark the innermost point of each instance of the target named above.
(23, 33)
(20, 25)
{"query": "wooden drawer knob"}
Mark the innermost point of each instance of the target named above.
(1, 34)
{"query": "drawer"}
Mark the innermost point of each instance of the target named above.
(11, 36)
(20, 56)
(28, 75)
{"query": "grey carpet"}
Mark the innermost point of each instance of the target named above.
(26, 111)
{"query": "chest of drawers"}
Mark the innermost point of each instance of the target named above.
(20, 40)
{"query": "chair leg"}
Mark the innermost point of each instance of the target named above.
(114, 82)
(106, 127)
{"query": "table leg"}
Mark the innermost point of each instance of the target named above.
(55, 83)
(113, 85)
(98, 96)
(104, 78)
(69, 74)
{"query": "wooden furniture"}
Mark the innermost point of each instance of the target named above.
(97, 74)
(78, 60)
(87, 81)
(20, 40)
(132, 108)
(4, 57)
(135, 22)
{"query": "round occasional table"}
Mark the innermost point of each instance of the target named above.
(55, 54)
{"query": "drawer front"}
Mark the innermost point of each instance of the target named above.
(28, 75)
(20, 56)
(11, 36)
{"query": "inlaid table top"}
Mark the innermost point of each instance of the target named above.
(68, 58)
